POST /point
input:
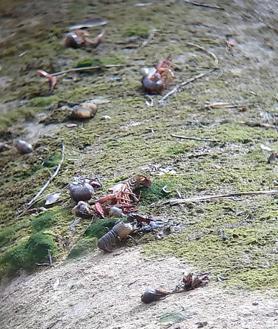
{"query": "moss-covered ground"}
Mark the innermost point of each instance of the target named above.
(234, 239)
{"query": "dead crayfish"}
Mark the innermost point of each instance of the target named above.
(189, 282)
(158, 79)
(80, 38)
(122, 196)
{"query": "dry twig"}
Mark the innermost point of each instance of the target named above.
(203, 5)
(88, 68)
(196, 138)
(259, 124)
(149, 103)
(150, 37)
(211, 54)
(30, 203)
(202, 198)
(251, 124)
(181, 85)
(219, 105)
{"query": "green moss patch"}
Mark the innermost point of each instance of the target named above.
(26, 254)
(137, 30)
(100, 228)
(44, 221)
(82, 247)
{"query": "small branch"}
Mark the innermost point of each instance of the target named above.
(73, 244)
(150, 37)
(30, 203)
(42, 264)
(209, 53)
(151, 101)
(88, 68)
(219, 105)
(196, 138)
(251, 124)
(173, 202)
(181, 85)
(203, 5)
(259, 124)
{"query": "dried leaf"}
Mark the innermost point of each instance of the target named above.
(52, 198)
(91, 22)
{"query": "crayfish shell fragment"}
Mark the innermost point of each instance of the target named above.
(85, 111)
(122, 230)
(83, 210)
(81, 192)
(75, 39)
(152, 295)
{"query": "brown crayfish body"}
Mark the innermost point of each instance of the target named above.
(80, 38)
(159, 78)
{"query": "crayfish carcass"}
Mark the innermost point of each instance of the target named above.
(159, 78)
(80, 38)
(122, 196)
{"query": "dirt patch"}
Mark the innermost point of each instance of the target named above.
(103, 291)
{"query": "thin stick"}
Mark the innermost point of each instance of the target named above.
(88, 68)
(150, 37)
(173, 202)
(259, 124)
(203, 5)
(30, 203)
(219, 105)
(151, 101)
(49, 257)
(251, 124)
(181, 85)
(80, 236)
(210, 53)
(196, 138)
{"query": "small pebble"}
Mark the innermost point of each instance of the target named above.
(71, 125)
(105, 117)
(23, 147)
(3, 147)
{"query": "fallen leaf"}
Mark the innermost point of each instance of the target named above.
(52, 198)
(91, 22)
